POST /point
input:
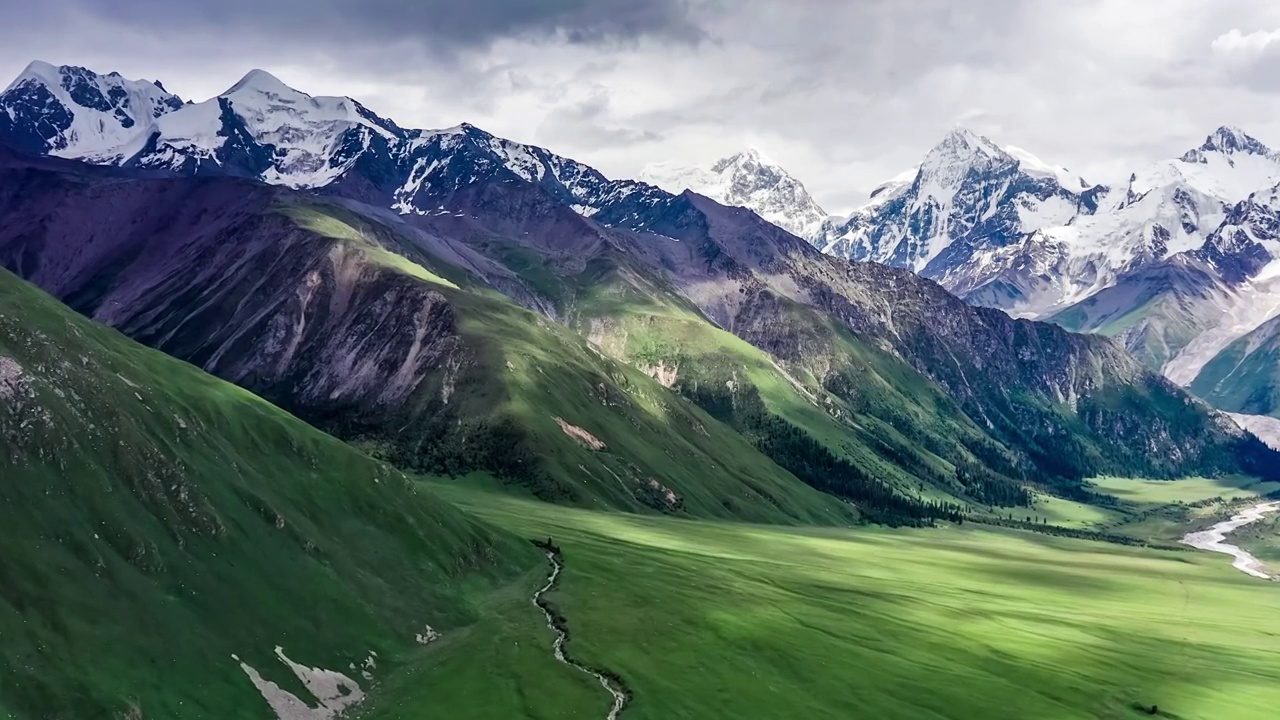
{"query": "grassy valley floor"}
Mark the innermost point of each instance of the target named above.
(707, 619)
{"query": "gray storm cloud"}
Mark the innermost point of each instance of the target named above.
(843, 93)
(443, 22)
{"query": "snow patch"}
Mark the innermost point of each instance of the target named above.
(427, 636)
(335, 692)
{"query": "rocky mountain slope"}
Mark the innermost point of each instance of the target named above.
(360, 330)
(74, 112)
(1181, 315)
(156, 517)
(1245, 376)
(421, 297)
(1174, 262)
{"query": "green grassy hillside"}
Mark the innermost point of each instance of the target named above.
(154, 521)
(533, 403)
(837, 399)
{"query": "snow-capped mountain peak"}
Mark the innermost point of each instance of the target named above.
(74, 112)
(969, 198)
(1229, 141)
(261, 81)
(746, 179)
(749, 160)
(951, 161)
(263, 128)
(1033, 165)
(962, 142)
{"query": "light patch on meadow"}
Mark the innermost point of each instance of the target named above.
(335, 692)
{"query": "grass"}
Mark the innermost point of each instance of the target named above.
(707, 619)
(1245, 376)
(516, 375)
(885, 418)
(1052, 510)
(499, 667)
(325, 221)
(1165, 510)
(1164, 492)
(155, 520)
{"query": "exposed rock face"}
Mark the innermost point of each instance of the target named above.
(205, 270)
(580, 435)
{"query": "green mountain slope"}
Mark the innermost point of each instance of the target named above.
(535, 404)
(407, 349)
(832, 408)
(155, 521)
(1245, 377)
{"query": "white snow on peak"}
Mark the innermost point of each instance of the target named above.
(1230, 140)
(747, 179)
(106, 110)
(38, 70)
(305, 130)
(257, 80)
(1230, 177)
(1036, 167)
(947, 165)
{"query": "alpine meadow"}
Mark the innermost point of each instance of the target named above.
(307, 414)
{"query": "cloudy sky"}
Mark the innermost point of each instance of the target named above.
(844, 93)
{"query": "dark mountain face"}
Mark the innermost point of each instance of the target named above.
(740, 271)
(40, 122)
(1235, 250)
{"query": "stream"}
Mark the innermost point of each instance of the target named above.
(557, 624)
(1214, 538)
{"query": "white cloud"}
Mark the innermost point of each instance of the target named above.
(1234, 42)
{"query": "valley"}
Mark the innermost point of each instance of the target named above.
(703, 619)
(307, 415)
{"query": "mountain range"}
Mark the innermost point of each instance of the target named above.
(1176, 261)
(450, 303)
(375, 280)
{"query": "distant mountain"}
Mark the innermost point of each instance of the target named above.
(967, 197)
(73, 112)
(1001, 228)
(383, 291)
(1183, 313)
(746, 180)
(1245, 376)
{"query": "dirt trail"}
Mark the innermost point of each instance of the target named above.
(557, 623)
(1213, 539)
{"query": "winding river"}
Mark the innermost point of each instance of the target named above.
(1214, 539)
(556, 623)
